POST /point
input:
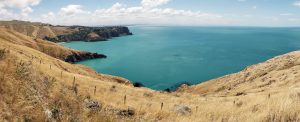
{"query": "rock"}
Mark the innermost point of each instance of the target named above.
(76, 57)
(167, 90)
(93, 105)
(240, 93)
(148, 94)
(182, 110)
(182, 87)
(94, 37)
(53, 114)
(138, 84)
(48, 114)
(127, 113)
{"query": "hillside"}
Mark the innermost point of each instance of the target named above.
(36, 85)
(65, 33)
(52, 49)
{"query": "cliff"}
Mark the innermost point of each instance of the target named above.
(90, 34)
(65, 33)
(36, 86)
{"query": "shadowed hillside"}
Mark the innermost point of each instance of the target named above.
(36, 85)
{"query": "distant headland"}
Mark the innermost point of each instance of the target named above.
(59, 33)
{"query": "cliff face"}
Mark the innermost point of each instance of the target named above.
(91, 34)
(75, 57)
(65, 33)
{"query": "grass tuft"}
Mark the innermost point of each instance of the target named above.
(23, 70)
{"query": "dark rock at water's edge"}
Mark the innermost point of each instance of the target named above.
(138, 84)
(76, 57)
(167, 90)
(91, 34)
(177, 87)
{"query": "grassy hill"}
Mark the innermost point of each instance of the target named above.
(37, 85)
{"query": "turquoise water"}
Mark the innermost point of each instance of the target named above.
(164, 57)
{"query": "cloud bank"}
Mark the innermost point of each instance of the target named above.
(153, 3)
(148, 12)
(297, 3)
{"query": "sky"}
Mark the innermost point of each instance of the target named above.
(156, 12)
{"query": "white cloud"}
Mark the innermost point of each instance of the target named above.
(294, 19)
(72, 10)
(6, 14)
(26, 11)
(153, 3)
(254, 7)
(50, 16)
(297, 3)
(242, 0)
(19, 3)
(286, 14)
(8, 8)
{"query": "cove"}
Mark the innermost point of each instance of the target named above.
(162, 57)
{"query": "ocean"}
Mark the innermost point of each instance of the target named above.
(162, 57)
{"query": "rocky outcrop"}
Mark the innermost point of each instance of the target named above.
(90, 34)
(76, 57)
(182, 110)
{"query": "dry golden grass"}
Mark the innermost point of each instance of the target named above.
(33, 81)
(35, 29)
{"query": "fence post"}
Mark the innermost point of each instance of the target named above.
(125, 100)
(74, 81)
(95, 90)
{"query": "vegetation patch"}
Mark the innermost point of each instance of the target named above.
(23, 70)
(2, 53)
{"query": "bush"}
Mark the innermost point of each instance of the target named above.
(2, 53)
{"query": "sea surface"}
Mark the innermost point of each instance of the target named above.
(162, 57)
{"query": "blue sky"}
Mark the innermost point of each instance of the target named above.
(159, 12)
